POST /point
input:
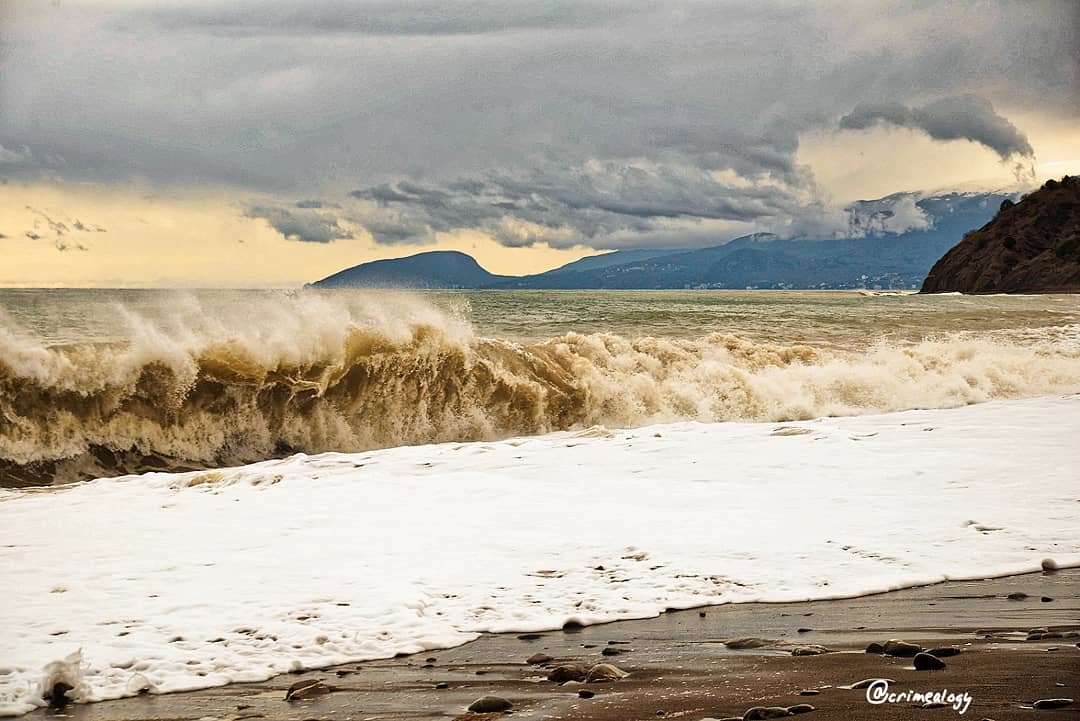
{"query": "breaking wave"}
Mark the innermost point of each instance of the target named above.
(196, 391)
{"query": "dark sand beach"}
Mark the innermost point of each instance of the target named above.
(680, 667)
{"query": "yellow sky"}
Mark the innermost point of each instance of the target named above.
(202, 238)
(194, 239)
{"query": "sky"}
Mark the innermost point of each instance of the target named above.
(273, 142)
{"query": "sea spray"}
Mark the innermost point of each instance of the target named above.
(197, 389)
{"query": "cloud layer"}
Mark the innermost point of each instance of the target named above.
(539, 121)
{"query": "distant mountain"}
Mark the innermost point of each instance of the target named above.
(435, 269)
(604, 260)
(896, 241)
(1029, 247)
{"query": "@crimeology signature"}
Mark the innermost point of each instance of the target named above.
(878, 693)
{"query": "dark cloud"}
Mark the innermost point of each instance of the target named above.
(303, 225)
(957, 118)
(382, 17)
(535, 120)
(599, 203)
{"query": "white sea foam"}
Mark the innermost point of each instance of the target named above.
(169, 582)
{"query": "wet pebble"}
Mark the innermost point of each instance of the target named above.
(928, 662)
(757, 713)
(809, 650)
(306, 689)
(737, 644)
(490, 704)
(568, 672)
(1052, 703)
(902, 649)
(604, 672)
(538, 659)
(867, 681)
(944, 651)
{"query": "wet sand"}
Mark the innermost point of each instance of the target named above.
(680, 667)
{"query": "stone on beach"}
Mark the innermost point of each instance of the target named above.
(306, 689)
(800, 708)
(604, 672)
(1052, 703)
(902, 649)
(928, 662)
(757, 713)
(490, 704)
(569, 672)
(538, 659)
(866, 682)
(809, 650)
(738, 644)
(944, 651)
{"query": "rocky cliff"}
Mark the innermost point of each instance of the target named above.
(1032, 246)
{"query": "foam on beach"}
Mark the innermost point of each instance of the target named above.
(169, 582)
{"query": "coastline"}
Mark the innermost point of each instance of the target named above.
(243, 574)
(679, 667)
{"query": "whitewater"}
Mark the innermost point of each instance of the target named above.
(167, 582)
(184, 382)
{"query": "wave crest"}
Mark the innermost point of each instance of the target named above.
(197, 392)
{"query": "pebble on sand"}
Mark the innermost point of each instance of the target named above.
(757, 713)
(928, 662)
(306, 689)
(568, 672)
(1052, 703)
(538, 659)
(866, 682)
(800, 708)
(903, 649)
(490, 704)
(809, 650)
(738, 644)
(944, 651)
(604, 672)
(1049, 565)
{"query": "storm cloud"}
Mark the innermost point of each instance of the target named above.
(597, 203)
(540, 121)
(956, 118)
(303, 224)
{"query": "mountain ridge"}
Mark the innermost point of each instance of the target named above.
(878, 258)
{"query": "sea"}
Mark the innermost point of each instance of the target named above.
(106, 382)
(207, 487)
